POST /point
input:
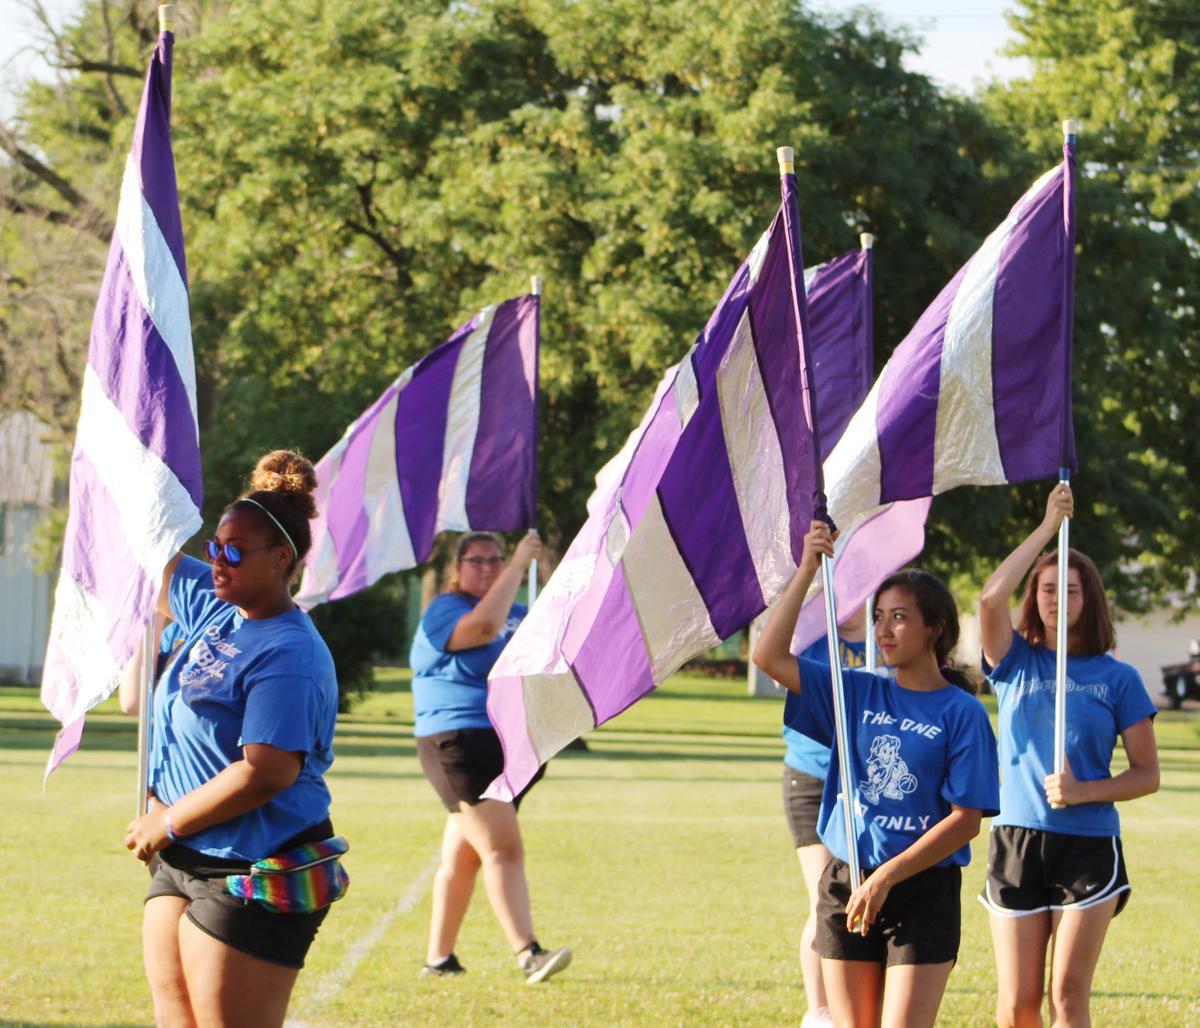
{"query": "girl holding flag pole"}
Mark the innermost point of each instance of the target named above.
(923, 764)
(241, 852)
(1056, 873)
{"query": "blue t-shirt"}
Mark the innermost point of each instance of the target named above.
(240, 681)
(1104, 697)
(450, 688)
(913, 755)
(804, 753)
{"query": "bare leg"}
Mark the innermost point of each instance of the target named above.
(490, 827)
(912, 994)
(855, 991)
(452, 888)
(230, 988)
(1019, 946)
(1077, 938)
(812, 862)
(164, 968)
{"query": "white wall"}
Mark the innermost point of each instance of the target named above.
(24, 599)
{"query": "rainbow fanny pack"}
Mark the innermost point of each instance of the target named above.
(296, 881)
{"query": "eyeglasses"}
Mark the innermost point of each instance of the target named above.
(231, 553)
(484, 562)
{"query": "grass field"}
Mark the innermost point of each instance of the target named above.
(661, 856)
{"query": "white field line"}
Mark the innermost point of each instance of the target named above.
(332, 983)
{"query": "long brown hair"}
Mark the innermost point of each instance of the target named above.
(938, 610)
(1094, 629)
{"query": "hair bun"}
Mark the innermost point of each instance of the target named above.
(284, 471)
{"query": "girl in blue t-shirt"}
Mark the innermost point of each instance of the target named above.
(461, 636)
(242, 736)
(1056, 873)
(923, 764)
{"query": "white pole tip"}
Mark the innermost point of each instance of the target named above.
(866, 240)
(1070, 127)
(166, 18)
(535, 285)
(787, 159)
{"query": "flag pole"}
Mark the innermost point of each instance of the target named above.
(145, 720)
(166, 23)
(1070, 130)
(535, 287)
(867, 241)
(791, 225)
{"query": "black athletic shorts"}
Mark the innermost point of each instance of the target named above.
(461, 764)
(802, 804)
(1030, 871)
(243, 924)
(919, 923)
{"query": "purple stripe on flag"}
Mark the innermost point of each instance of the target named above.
(152, 151)
(139, 375)
(653, 451)
(506, 706)
(612, 666)
(425, 402)
(117, 581)
(777, 344)
(908, 403)
(346, 520)
(1027, 364)
(701, 509)
(69, 737)
(839, 345)
(722, 323)
(504, 441)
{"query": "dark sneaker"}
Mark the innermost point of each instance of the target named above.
(540, 964)
(443, 968)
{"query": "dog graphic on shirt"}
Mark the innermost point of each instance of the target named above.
(887, 774)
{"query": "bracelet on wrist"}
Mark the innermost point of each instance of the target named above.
(170, 831)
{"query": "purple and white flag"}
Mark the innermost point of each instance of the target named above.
(450, 445)
(135, 487)
(693, 529)
(978, 393)
(839, 339)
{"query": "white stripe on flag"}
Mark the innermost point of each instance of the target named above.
(388, 544)
(156, 278)
(157, 514)
(854, 468)
(670, 610)
(79, 641)
(462, 424)
(966, 449)
(687, 390)
(756, 460)
(810, 275)
(556, 712)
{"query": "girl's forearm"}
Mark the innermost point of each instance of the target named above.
(1007, 577)
(238, 789)
(1128, 785)
(948, 836)
(773, 651)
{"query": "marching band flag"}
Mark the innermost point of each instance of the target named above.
(135, 484)
(978, 393)
(693, 529)
(450, 445)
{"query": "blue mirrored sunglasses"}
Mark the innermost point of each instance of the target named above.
(230, 553)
